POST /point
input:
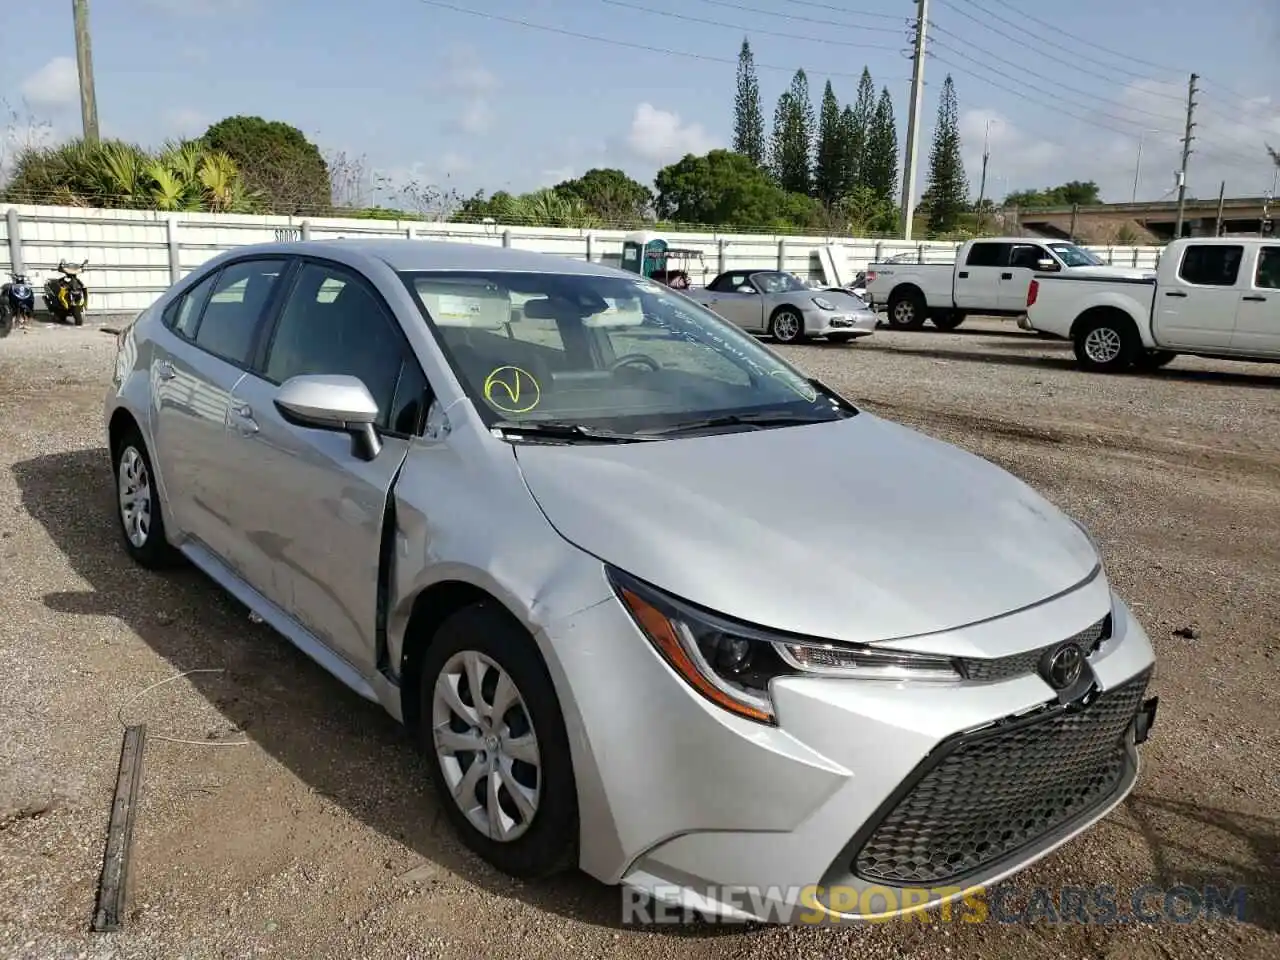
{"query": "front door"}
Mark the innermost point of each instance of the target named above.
(977, 280)
(1258, 316)
(1198, 310)
(212, 332)
(746, 310)
(310, 511)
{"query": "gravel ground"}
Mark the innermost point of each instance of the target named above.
(300, 825)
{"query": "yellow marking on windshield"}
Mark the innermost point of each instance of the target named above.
(512, 384)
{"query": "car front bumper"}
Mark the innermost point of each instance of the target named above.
(869, 798)
(820, 323)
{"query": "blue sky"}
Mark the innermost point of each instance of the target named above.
(475, 102)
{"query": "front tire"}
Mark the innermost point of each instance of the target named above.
(786, 326)
(138, 512)
(498, 752)
(907, 309)
(1107, 344)
(77, 316)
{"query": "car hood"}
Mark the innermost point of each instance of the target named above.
(856, 530)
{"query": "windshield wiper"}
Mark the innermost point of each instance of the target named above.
(565, 430)
(744, 420)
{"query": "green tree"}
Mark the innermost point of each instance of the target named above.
(948, 186)
(542, 208)
(748, 118)
(879, 169)
(793, 137)
(1083, 192)
(857, 122)
(610, 195)
(828, 172)
(277, 161)
(724, 188)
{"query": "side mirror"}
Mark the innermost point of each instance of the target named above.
(745, 289)
(1047, 265)
(332, 402)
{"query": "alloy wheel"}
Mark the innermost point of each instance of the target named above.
(134, 484)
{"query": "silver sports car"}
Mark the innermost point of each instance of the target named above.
(778, 304)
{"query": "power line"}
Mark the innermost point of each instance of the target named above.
(707, 58)
(743, 8)
(750, 30)
(1040, 76)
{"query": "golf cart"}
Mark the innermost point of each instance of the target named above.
(647, 254)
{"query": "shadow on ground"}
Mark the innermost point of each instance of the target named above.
(344, 748)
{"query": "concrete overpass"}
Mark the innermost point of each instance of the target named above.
(1240, 215)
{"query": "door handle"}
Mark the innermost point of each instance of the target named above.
(1256, 299)
(1174, 293)
(1006, 276)
(165, 371)
(964, 274)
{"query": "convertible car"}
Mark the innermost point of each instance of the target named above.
(786, 308)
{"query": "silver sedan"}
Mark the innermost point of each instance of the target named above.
(778, 304)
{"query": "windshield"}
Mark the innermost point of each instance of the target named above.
(780, 283)
(606, 352)
(1074, 256)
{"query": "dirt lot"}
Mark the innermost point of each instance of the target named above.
(299, 824)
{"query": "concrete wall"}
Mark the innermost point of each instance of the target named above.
(134, 255)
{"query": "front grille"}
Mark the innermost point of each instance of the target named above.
(1019, 664)
(987, 794)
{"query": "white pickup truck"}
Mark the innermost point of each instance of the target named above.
(989, 277)
(1214, 297)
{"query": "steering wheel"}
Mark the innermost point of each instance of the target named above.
(641, 360)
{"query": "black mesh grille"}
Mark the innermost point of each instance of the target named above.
(1001, 789)
(1002, 668)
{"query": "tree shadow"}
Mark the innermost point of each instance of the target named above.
(324, 734)
(1256, 381)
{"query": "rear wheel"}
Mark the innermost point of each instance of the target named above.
(1107, 343)
(138, 504)
(907, 309)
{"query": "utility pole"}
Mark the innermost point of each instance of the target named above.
(1264, 225)
(1137, 170)
(1186, 154)
(982, 188)
(913, 122)
(84, 63)
(1222, 198)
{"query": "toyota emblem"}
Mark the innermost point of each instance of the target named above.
(1064, 666)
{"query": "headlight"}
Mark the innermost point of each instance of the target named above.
(732, 664)
(823, 303)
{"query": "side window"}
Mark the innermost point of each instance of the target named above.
(720, 284)
(409, 403)
(986, 255)
(183, 313)
(332, 323)
(229, 324)
(1211, 264)
(1267, 276)
(1028, 257)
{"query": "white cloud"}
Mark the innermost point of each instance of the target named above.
(1017, 157)
(661, 137)
(463, 77)
(549, 178)
(475, 118)
(54, 86)
(185, 121)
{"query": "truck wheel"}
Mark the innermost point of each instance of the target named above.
(1107, 344)
(1155, 359)
(947, 321)
(907, 309)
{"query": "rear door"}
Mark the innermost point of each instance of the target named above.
(1257, 329)
(1197, 309)
(1015, 281)
(310, 512)
(977, 280)
(210, 337)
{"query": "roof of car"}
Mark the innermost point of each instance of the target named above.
(408, 255)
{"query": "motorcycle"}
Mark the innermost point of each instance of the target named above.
(66, 296)
(17, 303)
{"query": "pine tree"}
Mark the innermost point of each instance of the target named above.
(948, 187)
(880, 161)
(748, 121)
(864, 109)
(850, 150)
(828, 172)
(793, 137)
